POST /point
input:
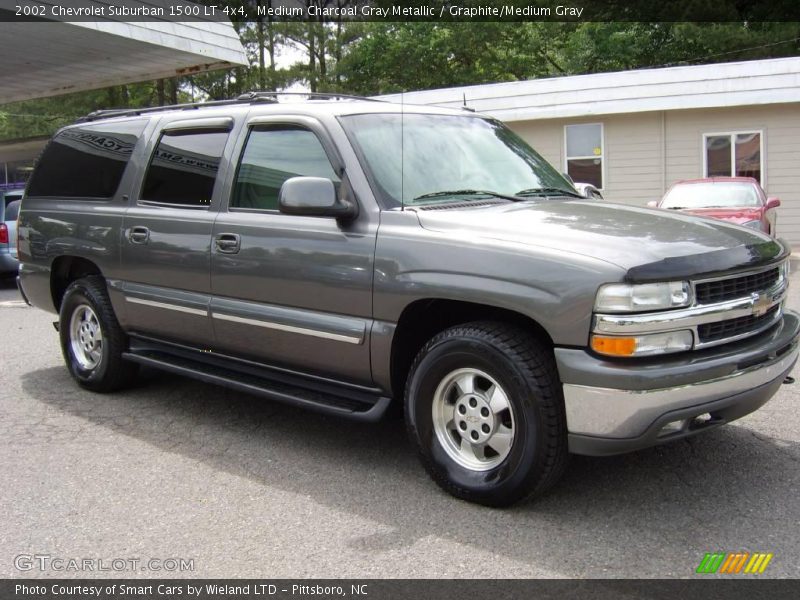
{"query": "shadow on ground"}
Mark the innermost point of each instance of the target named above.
(8, 282)
(706, 493)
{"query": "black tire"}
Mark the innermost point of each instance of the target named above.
(526, 371)
(111, 372)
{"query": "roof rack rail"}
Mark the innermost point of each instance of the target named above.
(124, 112)
(248, 97)
(259, 95)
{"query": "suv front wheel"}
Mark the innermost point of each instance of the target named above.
(91, 339)
(485, 410)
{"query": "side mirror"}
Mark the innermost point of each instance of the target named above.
(772, 202)
(313, 197)
(652, 204)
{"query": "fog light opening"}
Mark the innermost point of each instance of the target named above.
(673, 427)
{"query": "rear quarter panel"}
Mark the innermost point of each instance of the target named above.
(54, 227)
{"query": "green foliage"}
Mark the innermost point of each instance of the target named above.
(596, 47)
(33, 118)
(390, 57)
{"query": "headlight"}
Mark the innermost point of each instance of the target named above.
(643, 345)
(622, 297)
(783, 272)
(753, 224)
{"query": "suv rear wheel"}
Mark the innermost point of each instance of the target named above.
(91, 339)
(485, 410)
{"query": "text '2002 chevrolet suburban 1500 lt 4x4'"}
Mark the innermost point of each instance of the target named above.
(345, 254)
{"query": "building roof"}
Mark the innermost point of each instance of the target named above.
(54, 57)
(700, 86)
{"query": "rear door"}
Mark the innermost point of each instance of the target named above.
(166, 242)
(288, 290)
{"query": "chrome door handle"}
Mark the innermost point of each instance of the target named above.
(139, 235)
(227, 243)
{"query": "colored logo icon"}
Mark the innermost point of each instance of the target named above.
(734, 562)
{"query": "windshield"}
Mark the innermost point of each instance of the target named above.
(711, 195)
(447, 157)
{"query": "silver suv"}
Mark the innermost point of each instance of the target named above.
(346, 255)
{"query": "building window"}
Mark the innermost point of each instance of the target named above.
(738, 154)
(584, 156)
(183, 168)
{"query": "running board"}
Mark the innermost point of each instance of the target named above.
(355, 406)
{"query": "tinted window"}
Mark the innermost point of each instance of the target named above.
(184, 167)
(12, 211)
(11, 196)
(86, 161)
(270, 157)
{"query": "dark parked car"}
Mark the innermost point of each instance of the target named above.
(345, 255)
(739, 200)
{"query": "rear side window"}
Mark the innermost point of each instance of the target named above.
(86, 161)
(184, 167)
(12, 211)
(271, 156)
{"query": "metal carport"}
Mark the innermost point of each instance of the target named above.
(47, 58)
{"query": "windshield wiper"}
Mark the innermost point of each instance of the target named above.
(445, 193)
(546, 191)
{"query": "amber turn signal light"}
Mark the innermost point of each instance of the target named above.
(614, 346)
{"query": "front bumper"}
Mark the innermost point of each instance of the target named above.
(615, 407)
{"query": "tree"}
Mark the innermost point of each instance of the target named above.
(33, 118)
(389, 57)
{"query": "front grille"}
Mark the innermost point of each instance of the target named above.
(735, 287)
(711, 332)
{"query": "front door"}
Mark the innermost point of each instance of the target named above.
(293, 291)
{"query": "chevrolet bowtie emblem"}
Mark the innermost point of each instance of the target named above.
(761, 304)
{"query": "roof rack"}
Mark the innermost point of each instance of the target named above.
(270, 97)
(262, 95)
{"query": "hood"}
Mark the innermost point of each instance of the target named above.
(732, 214)
(627, 236)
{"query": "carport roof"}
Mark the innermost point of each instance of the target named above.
(700, 86)
(49, 58)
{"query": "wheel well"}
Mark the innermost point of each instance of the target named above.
(423, 319)
(64, 271)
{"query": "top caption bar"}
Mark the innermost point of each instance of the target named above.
(399, 10)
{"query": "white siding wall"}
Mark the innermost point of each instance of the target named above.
(632, 152)
(547, 138)
(646, 152)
